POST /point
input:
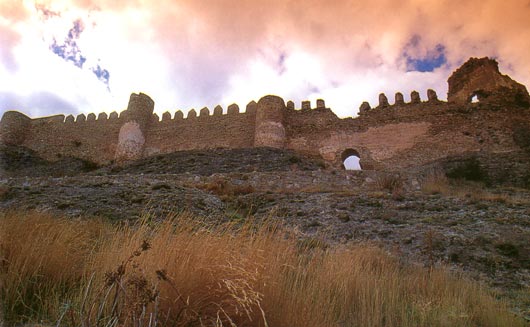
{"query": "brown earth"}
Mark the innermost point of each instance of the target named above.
(483, 232)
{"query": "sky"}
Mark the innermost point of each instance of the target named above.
(82, 56)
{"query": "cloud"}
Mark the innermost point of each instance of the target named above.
(13, 11)
(40, 102)
(69, 50)
(46, 12)
(191, 53)
(423, 60)
(215, 42)
(8, 40)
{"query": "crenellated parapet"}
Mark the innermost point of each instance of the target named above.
(399, 101)
(305, 105)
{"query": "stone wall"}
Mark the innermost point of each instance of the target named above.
(98, 140)
(391, 135)
(94, 140)
(233, 130)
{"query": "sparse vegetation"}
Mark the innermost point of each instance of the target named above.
(393, 184)
(438, 183)
(181, 272)
(224, 187)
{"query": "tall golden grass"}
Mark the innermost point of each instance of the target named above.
(181, 272)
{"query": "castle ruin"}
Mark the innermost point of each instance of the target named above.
(388, 136)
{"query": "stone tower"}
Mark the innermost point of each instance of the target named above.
(14, 127)
(137, 117)
(270, 129)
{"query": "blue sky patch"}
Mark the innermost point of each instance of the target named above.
(433, 59)
(70, 52)
(102, 74)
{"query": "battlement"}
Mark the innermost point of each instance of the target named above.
(399, 102)
(167, 116)
(378, 134)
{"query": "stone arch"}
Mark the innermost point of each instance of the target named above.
(353, 157)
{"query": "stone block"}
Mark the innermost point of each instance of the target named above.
(233, 109)
(383, 101)
(205, 112)
(192, 114)
(80, 118)
(218, 110)
(166, 116)
(431, 95)
(415, 97)
(399, 99)
(365, 106)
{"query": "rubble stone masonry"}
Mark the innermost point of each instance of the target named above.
(389, 136)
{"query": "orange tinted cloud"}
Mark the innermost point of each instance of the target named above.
(12, 11)
(210, 39)
(204, 51)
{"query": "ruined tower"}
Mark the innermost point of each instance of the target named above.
(270, 129)
(137, 117)
(480, 77)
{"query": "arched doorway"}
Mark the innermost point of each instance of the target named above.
(351, 159)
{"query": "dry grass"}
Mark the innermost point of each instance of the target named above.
(317, 188)
(388, 182)
(180, 273)
(224, 187)
(438, 183)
